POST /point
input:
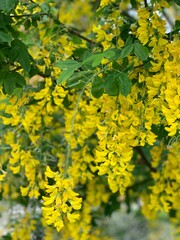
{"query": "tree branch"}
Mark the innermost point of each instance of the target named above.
(145, 3)
(76, 33)
(29, 15)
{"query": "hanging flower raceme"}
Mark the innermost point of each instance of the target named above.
(61, 201)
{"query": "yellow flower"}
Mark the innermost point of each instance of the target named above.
(2, 176)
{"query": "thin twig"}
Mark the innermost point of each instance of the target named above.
(29, 15)
(76, 33)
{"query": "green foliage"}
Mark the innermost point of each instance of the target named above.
(8, 5)
(97, 89)
(126, 51)
(19, 52)
(124, 84)
(11, 80)
(141, 51)
(94, 104)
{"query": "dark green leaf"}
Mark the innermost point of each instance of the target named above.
(81, 53)
(125, 29)
(20, 53)
(8, 81)
(13, 32)
(2, 57)
(65, 75)
(18, 78)
(124, 84)
(97, 89)
(27, 24)
(141, 51)
(126, 51)
(111, 85)
(7, 5)
(11, 80)
(4, 37)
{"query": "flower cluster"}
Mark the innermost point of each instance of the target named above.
(61, 201)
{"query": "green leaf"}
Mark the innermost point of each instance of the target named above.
(90, 58)
(68, 64)
(126, 51)
(129, 41)
(78, 80)
(4, 37)
(97, 88)
(8, 82)
(69, 67)
(111, 84)
(65, 75)
(97, 60)
(2, 57)
(18, 78)
(20, 53)
(7, 5)
(45, 7)
(124, 84)
(141, 51)
(109, 53)
(81, 53)
(11, 80)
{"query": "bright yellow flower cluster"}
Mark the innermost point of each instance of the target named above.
(92, 143)
(24, 161)
(61, 202)
(165, 191)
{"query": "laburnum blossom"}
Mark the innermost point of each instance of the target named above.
(60, 202)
